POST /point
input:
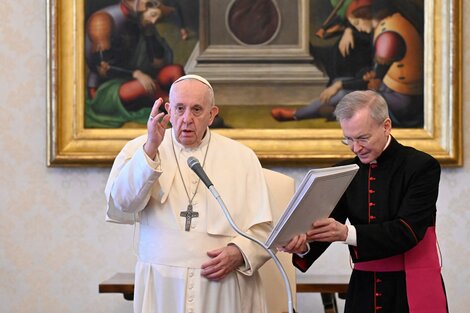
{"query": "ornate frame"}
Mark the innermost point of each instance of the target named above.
(70, 144)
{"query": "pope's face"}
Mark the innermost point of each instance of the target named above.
(366, 137)
(191, 111)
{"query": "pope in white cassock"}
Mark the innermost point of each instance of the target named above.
(189, 258)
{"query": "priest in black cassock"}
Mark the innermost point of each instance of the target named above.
(391, 207)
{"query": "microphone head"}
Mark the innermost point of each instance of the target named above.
(192, 161)
(194, 164)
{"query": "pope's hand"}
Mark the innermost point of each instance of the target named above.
(156, 126)
(224, 261)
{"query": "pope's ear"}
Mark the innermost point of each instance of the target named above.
(214, 111)
(167, 107)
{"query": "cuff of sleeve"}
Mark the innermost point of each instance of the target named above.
(245, 267)
(154, 164)
(351, 239)
(306, 252)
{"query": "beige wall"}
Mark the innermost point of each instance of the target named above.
(54, 244)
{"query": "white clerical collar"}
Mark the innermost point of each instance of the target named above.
(180, 147)
(388, 142)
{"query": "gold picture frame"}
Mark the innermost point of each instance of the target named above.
(71, 144)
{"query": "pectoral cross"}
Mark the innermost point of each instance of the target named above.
(189, 214)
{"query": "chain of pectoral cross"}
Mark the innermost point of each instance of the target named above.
(189, 214)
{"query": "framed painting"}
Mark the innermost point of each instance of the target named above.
(252, 73)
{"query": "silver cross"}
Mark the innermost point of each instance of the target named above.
(188, 214)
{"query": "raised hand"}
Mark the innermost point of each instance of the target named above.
(156, 125)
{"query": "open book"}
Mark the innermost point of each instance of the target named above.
(315, 198)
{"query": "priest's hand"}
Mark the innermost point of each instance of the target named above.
(298, 244)
(327, 230)
(156, 125)
(224, 261)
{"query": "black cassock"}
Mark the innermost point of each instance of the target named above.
(391, 203)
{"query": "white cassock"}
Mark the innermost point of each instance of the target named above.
(168, 274)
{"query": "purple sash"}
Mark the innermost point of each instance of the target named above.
(423, 276)
(424, 287)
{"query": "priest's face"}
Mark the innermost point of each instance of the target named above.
(191, 110)
(365, 136)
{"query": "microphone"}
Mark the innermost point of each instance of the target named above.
(194, 164)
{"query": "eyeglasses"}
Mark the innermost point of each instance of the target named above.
(363, 141)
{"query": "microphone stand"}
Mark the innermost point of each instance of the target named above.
(273, 256)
